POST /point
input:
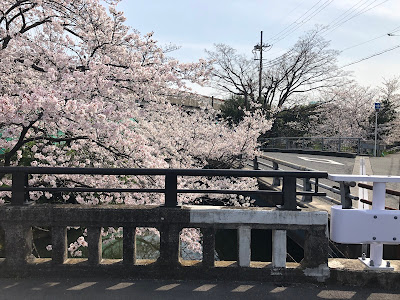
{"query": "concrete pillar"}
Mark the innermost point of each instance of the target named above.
(59, 242)
(208, 247)
(129, 245)
(169, 244)
(244, 251)
(94, 245)
(18, 244)
(279, 248)
(315, 248)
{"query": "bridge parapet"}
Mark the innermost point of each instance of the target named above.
(18, 220)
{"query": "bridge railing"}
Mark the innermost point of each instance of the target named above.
(17, 220)
(354, 145)
(20, 185)
(308, 183)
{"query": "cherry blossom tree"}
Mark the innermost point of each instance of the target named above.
(79, 88)
(344, 111)
(348, 111)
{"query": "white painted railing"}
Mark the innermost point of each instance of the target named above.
(362, 226)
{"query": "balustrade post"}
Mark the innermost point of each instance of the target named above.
(59, 242)
(18, 244)
(244, 250)
(129, 245)
(208, 247)
(289, 193)
(19, 184)
(306, 188)
(279, 248)
(316, 248)
(339, 144)
(171, 198)
(169, 244)
(276, 180)
(94, 245)
(345, 194)
(255, 163)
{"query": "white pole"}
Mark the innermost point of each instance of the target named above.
(378, 203)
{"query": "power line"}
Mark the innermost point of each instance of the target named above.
(317, 11)
(373, 39)
(373, 55)
(348, 11)
(346, 16)
(295, 22)
(368, 8)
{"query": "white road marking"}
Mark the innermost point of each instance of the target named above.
(320, 160)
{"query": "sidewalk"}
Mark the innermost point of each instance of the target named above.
(388, 165)
(95, 288)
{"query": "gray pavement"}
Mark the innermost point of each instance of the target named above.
(96, 288)
(330, 164)
(388, 165)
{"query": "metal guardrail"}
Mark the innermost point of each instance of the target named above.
(20, 186)
(354, 145)
(388, 191)
(344, 190)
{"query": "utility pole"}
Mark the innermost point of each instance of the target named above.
(260, 47)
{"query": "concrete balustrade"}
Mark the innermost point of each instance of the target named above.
(18, 220)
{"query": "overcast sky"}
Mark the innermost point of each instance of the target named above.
(195, 25)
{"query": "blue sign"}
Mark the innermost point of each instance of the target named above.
(377, 106)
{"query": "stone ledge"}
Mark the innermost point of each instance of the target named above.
(354, 273)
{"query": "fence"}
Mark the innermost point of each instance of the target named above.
(306, 186)
(17, 219)
(326, 144)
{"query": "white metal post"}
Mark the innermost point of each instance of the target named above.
(378, 203)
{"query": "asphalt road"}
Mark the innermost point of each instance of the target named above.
(330, 164)
(96, 288)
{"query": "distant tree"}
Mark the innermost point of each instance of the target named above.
(388, 116)
(232, 109)
(234, 73)
(308, 66)
(344, 111)
(294, 121)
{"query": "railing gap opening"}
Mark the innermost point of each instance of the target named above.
(187, 237)
(226, 244)
(42, 238)
(147, 243)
